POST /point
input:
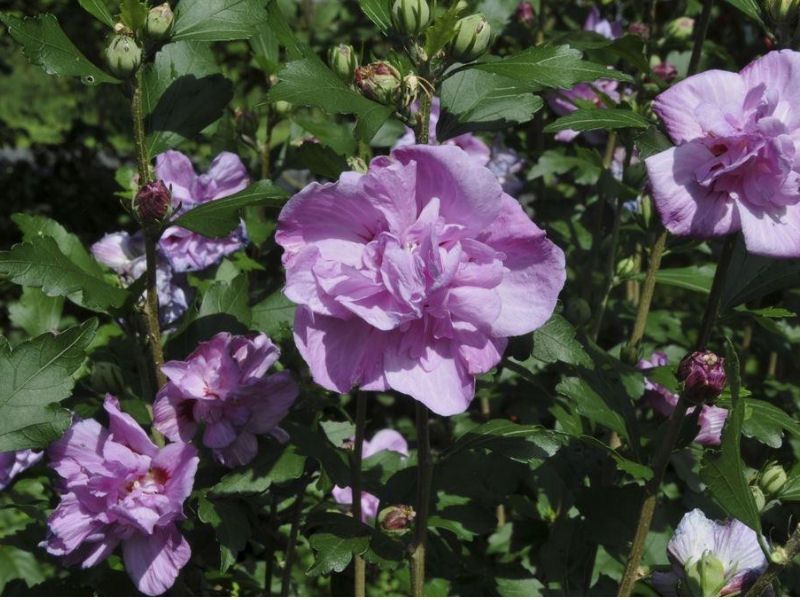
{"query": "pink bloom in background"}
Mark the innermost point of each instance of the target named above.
(663, 401)
(124, 254)
(223, 385)
(471, 144)
(732, 543)
(14, 463)
(563, 102)
(413, 275)
(119, 487)
(736, 165)
(385, 439)
(186, 250)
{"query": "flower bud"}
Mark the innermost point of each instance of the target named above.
(396, 519)
(782, 11)
(706, 577)
(665, 71)
(410, 17)
(159, 21)
(152, 202)
(282, 107)
(639, 29)
(772, 479)
(343, 61)
(758, 497)
(379, 81)
(123, 55)
(525, 13)
(680, 28)
(626, 267)
(471, 39)
(703, 376)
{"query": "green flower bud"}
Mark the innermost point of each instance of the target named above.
(758, 496)
(471, 39)
(680, 28)
(706, 577)
(772, 479)
(395, 520)
(123, 55)
(159, 21)
(578, 311)
(626, 267)
(410, 17)
(379, 81)
(282, 107)
(344, 62)
(781, 11)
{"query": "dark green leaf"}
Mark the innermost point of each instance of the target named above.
(555, 341)
(441, 32)
(35, 376)
(340, 538)
(598, 118)
(219, 217)
(36, 313)
(274, 315)
(99, 9)
(723, 471)
(631, 467)
(280, 464)
(231, 525)
(550, 67)
(19, 564)
(751, 277)
(766, 422)
(696, 278)
(651, 142)
(750, 8)
(183, 93)
(45, 44)
(309, 82)
(133, 13)
(218, 20)
(228, 298)
(40, 263)
(378, 13)
(495, 434)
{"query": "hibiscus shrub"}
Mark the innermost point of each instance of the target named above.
(388, 297)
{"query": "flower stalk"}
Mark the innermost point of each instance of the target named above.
(359, 565)
(424, 476)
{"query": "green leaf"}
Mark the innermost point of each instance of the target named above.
(218, 20)
(219, 217)
(378, 13)
(598, 118)
(99, 9)
(36, 313)
(546, 67)
(751, 277)
(34, 376)
(631, 467)
(19, 564)
(723, 471)
(228, 298)
(767, 422)
(279, 464)
(555, 341)
(133, 13)
(340, 538)
(696, 278)
(40, 263)
(231, 525)
(651, 142)
(496, 434)
(441, 32)
(46, 45)
(478, 101)
(750, 8)
(308, 82)
(183, 93)
(274, 315)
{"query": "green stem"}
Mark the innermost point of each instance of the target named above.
(767, 578)
(139, 133)
(359, 564)
(700, 36)
(715, 296)
(651, 488)
(291, 542)
(424, 122)
(424, 476)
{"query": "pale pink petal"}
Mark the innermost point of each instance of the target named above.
(179, 461)
(176, 171)
(779, 72)
(774, 231)
(154, 561)
(126, 430)
(386, 439)
(226, 176)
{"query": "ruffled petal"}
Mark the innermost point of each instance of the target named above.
(772, 231)
(125, 430)
(779, 72)
(154, 561)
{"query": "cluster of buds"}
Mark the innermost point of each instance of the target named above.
(410, 17)
(379, 81)
(396, 519)
(471, 39)
(152, 202)
(703, 376)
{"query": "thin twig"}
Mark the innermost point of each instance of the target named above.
(359, 566)
(424, 476)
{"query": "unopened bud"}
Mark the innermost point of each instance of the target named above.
(758, 497)
(772, 479)
(471, 39)
(379, 81)
(282, 107)
(680, 28)
(123, 55)
(639, 29)
(706, 577)
(159, 21)
(703, 376)
(525, 13)
(410, 17)
(665, 71)
(626, 267)
(395, 520)
(343, 61)
(152, 202)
